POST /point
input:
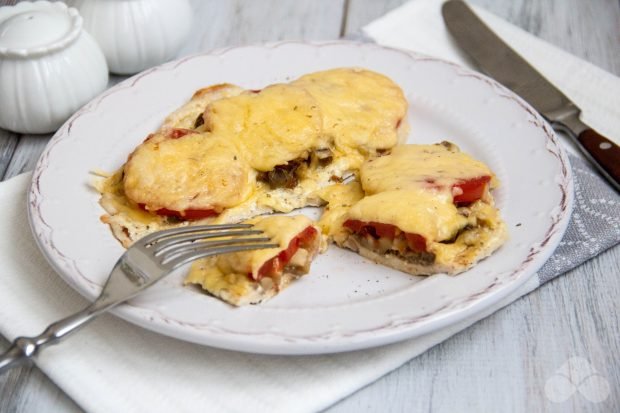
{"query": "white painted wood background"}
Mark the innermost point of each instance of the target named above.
(501, 363)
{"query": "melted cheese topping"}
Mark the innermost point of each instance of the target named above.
(115, 201)
(274, 126)
(485, 227)
(421, 166)
(185, 117)
(196, 171)
(362, 110)
(339, 198)
(126, 220)
(428, 213)
(232, 272)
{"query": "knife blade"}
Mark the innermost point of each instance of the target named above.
(496, 59)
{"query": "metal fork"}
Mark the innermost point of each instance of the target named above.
(147, 261)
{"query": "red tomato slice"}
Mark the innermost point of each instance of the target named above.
(188, 214)
(384, 230)
(177, 133)
(276, 264)
(416, 242)
(470, 190)
(354, 225)
(376, 229)
(270, 268)
(192, 214)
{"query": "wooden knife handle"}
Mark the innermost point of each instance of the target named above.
(604, 151)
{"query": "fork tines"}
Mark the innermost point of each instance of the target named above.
(182, 259)
(156, 237)
(178, 246)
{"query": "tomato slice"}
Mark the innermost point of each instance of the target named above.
(270, 268)
(276, 264)
(470, 190)
(384, 230)
(416, 242)
(376, 229)
(188, 214)
(354, 225)
(177, 133)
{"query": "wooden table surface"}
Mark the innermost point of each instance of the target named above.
(501, 363)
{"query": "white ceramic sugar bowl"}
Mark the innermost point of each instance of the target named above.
(49, 66)
(136, 34)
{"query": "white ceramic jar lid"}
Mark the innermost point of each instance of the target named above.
(30, 29)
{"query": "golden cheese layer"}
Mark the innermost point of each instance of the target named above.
(235, 272)
(276, 125)
(187, 115)
(420, 166)
(362, 110)
(195, 171)
(115, 202)
(241, 134)
(484, 227)
(431, 214)
(340, 198)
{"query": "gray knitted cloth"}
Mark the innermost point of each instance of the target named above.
(594, 225)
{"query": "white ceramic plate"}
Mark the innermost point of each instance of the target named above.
(346, 302)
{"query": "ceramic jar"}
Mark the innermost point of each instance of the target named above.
(49, 67)
(136, 34)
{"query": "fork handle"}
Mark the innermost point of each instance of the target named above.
(24, 348)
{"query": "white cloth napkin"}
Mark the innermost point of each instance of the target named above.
(114, 366)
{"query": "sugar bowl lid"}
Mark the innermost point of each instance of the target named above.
(31, 29)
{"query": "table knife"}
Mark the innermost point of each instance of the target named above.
(496, 59)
